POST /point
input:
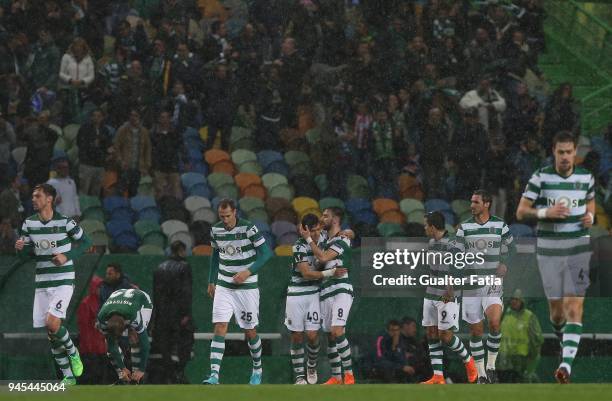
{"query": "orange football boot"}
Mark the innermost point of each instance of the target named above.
(349, 378)
(435, 379)
(470, 369)
(332, 381)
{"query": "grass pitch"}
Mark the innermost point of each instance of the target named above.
(366, 392)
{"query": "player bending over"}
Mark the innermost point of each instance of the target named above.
(127, 312)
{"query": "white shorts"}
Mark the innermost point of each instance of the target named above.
(473, 307)
(335, 311)
(303, 312)
(242, 304)
(443, 315)
(564, 275)
(53, 300)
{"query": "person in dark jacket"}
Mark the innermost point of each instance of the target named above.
(172, 322)
(391, 364)
(220, 106)
(94, 142)
(166, 148)
(114, 280)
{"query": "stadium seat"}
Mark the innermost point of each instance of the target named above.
(243, 180)
(409, 205)
(304, 185)
(182, 236)
(89, 202)
(255, 191)
(204, 214)
(289, 215)
(355, 205)
(227, 191)
(145, 186)
(126, 240)
(449, 217)
(410, 187)
(460, 206)
(149, 249)
(267, 157)
(118, 208)
(390, 230)
(284, 250)
(239, 134)
(366, 216)
(281, 191)
(325, 203)
(201, 190)
(193, 203)
(190, 179)
(416, 216)
(384, 205)
(271, 180)
(151, 213)
(392, 216)
(92, 226)
(117, 227)
(294, 157)
(213, 156)
(279, 167)
(321, 183)
(274, 205)
(252, 167)
(279, 228)
(248, 204)
(258, 215)
(303, 203)
(246, 143)
(202, 250)
(141, 202)
(99, 239)
(224, 166)
(432, 205)
(170, 227)
(300, 169)
(216, 180)
(150, 230)
(287, 238)
(241, 156)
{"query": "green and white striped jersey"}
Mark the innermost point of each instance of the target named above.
(47, 238)
(436, 249)
(335, 285)
(492, 238)
(236, 252)
(302, 253)
(545, 188)
(127, 303)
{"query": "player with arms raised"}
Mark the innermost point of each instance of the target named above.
(47, 237)
(239, 252)
(127, 310)
(336, 293)
(562, 199)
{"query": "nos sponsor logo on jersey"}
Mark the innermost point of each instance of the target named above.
(563, 200)
(481, 244)
(45, 244)
(230, 250)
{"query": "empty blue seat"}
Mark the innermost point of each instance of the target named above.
(266, 157)
(118, 208)
(200, 190)
(151, 214)
(365, 216)
(449, 217)
(127, 240)
(432, 205)
(188, 180)
(141, 202)
(355, 205)
(117, 227)
(279, 167)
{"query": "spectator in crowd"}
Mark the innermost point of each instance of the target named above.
(8, 236)
(15, 101)
(133, 152)
(114, 280)
(187, 68)
(172, 321)
(39, 139)
(135, 91)
(92, 345)
(45, 63)
(519, 352)
(292, 69)
(167, 148)
(384, 166)
(7, 141)
(414, 348)
(95, 144)
(434, 153)
(490, 104)
(76, 74)
(391, 365)
(10, 199)
(220, 106)
(469, 163)
(561, 114)
(67, 200)
(268, 107)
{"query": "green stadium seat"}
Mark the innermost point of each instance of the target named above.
(216, 180)
(92, 226)
(252, 167)
(270, 180)
(281, 191)
(390, 230)
(410, 205)
(99, 239)
(239, 134)
(248, 204)
(148, 249)
(258, 215)
(93, 214)
(242, 156)
(229, 191)
(460, 206)
(416, 216)
(322, 183)
(87, 202)
(294, 157)
(325, 203)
